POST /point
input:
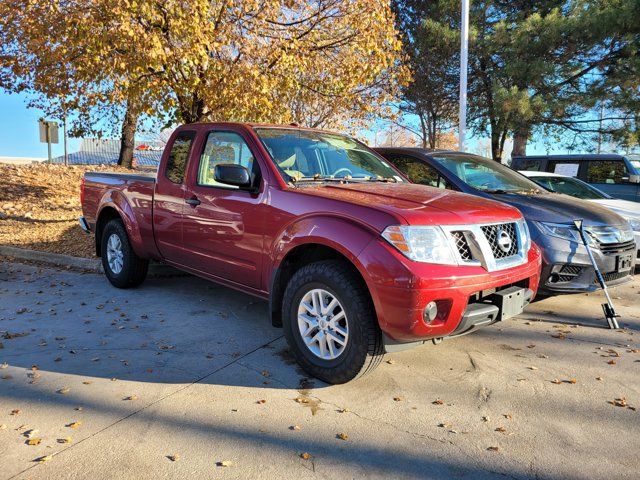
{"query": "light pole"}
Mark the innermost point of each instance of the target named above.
(464, 54)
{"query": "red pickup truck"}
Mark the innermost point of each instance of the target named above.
(353, 259)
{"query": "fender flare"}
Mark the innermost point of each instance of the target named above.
(348, 238)
(117, 201)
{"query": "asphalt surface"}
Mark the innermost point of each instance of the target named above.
(185, 379)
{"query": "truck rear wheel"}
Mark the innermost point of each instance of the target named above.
(330, 323)
(121, 265)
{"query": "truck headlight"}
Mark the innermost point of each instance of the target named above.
(560, 230)
(421, 243)
(525, 235)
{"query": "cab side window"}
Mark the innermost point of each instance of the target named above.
(179, 156)
(420, 172)
(606, 171)
(224, 148)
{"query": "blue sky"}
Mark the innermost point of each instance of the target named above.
(19, 135)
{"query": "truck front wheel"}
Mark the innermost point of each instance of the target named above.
(330, 323)
(121, 265)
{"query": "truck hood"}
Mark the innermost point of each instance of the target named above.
(418, 204)
(559, 208)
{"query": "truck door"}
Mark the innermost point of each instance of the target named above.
(169, 197)
(223, 226)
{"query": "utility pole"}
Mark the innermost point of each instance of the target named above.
(464, 55)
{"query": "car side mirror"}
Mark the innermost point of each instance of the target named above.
(232, 174)
(634, 178)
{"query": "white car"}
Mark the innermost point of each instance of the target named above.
(579, 189)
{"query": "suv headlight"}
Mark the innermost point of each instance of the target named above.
(634, 223)
(561, 230)
(421, 243)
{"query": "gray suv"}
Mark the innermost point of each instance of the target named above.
(615, 175)
(566, 267)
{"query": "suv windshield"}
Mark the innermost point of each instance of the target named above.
(570, 186)
(486, 175)
(303, 155)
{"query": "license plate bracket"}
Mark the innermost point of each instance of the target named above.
(511, 302)
(623, 262)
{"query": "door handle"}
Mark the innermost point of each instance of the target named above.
(193, 201)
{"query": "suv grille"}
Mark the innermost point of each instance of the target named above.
(462, 245)
(612, 248)
(501, 247)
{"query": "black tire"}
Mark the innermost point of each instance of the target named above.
(134, 269)
(364, 348)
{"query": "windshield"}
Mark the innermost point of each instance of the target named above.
(316, 156)
(570, 186)
(486, 175)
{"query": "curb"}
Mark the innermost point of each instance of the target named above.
(93, 265)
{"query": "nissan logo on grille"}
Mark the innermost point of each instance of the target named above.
(504, 240)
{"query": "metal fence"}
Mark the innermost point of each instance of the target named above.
(94, 151)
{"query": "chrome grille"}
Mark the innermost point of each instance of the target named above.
(462, 245)
(492, 232)
(613, 248)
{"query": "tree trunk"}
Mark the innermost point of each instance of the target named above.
(127, 139)
(520, 138)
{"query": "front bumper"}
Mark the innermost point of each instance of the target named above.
(401, 289)
(567, 268)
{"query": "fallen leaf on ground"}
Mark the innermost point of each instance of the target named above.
(398, 398)
(485, 418)
(302, 400)
(64, 390)
(294, 427)
(556, 381)
(501, 429)
(131, 397)
(620, 402)
(508, 416)
(343, 436)
(16, 411)
(224, 463)
(31, 433)
(261, 401)
(438, 402)
(46, 458)
(599, 378)
(493, 449)
(611, 362)
(34, 441)
(305, 456)
(391, 362)
(64, 440)
(532, 368)
(74, 424)
(174, 458)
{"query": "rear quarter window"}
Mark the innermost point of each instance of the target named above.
(606, 171)
(179, 156)
(526, 164)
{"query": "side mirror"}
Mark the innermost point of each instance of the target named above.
(232, 174)
(634, 178)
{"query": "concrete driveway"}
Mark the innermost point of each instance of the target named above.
(185, 379)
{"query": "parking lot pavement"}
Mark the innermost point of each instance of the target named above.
(113, 383)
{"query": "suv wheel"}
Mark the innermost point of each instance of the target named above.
(330, 323)
(121, 265)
